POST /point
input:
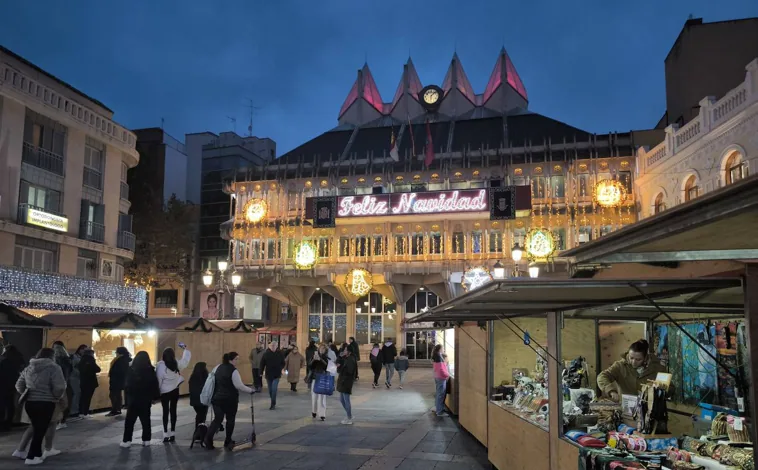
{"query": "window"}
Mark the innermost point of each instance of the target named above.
(538, 187)
(361, 246)
(327, 319)
(118, 273)
(32, 253)
(417, 244)
(166, 298)
(124, 172)
(93, 165)
(374, 319)
(559, 234)
(86, 264)
(496, 241)
(42, 198)
(323, 247)
(736, 168)
(435, 243)
(584, 185)
(459, 245)
(557, 186)
(690, 188)
(401, 243)
(659, 205)
(585, 234)
(380, 243)
(625, 177)
(344, 246)
(419, 344)
(476, 242)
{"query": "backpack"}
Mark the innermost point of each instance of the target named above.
(208, 388)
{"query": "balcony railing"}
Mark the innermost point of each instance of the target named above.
(93, 179)
(42, 158)
(92, 231)
(124, 191)
(126, 240)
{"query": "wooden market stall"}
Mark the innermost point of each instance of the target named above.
(24, 331)
(239, 336)
(103, 332)
(284, 333)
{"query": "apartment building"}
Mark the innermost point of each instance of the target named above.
(65, 228)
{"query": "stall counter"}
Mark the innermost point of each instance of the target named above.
(515, 444)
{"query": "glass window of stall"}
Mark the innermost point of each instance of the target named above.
(518, 367)
(105, 342)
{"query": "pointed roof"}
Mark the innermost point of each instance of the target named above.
(504, 71)
(409, 82)
(456, 77)
(363, 87)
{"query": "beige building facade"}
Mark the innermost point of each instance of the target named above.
(65, 231)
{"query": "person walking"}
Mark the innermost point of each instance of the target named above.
(196, 383)
(401, 366)
(74, 381)
(441, 375)
(356, 350)
(375, 357)
(88, 370)
(256, 354)
(117, 379)
(49, 449)
(347, 366)
(63, 359)
(226, 399)
(11, 365)
(272, 364)
(389, 353)
(310, 351)
(318, 366)
(41, 386)
(142, 389)
(169, 379)
(292, 364)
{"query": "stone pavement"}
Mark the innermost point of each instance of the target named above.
(393, 429)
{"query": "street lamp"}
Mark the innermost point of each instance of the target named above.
(516, 252)
(498, 270)
(534, 271)
(222, 283)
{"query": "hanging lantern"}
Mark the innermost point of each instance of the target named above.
(539, 244)
(305, 255)
(255, 210)
(359, 282)
(609, 193)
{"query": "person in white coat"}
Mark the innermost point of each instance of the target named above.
(169, 379)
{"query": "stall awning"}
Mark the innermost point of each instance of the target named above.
(282, 328)
(234, 325)
(12, 316)
(99, 321)
(593, 297)
(720, 225)
(184, 323)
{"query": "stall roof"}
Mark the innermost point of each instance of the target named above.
(12, 316)
(591, 297)
(184, 323)
(233, 325)
(720, 225)
(282, 327)
(102, 321)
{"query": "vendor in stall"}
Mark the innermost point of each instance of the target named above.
(628, 375)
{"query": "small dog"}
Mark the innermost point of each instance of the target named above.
(199, 435)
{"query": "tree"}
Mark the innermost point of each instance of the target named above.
(165, 244)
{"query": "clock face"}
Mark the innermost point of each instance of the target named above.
(431, 96)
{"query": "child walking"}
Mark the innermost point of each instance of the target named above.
(401, 366)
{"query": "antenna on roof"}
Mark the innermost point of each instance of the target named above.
(252, 109)
(234, 123)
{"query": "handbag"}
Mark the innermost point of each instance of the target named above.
(309, 377)
(206, 395)
(331, 368)
(323, 384)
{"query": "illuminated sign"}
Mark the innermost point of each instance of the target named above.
(475, 278)
(413, 203)
(46, 220)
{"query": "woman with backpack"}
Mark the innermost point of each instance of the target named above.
(169, 380)
(141, 388)
(226, 397)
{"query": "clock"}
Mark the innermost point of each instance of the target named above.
(431, 96)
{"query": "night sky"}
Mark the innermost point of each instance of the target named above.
(195, 63)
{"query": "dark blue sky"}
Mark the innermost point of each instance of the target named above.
(595, 64)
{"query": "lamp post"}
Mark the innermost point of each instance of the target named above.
(534, 271)
(516, 253)
(222, 283)
(498, 271)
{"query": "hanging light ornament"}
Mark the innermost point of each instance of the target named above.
(359, 282)
(255, 210)
(609, 193)
(475, 277)
(305, 255)
(540, 244)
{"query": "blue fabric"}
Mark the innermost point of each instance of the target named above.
(661, 444)
(323, 384)
(574, 435)
(440, 386)
(345, 400)
(273, 387)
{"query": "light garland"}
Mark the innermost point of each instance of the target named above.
(305, 255)
(359, 282)
(609, 193)
(55, 292)
(539, 244)
(475, 277)
(255, 210)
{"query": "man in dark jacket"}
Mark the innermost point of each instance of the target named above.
(272, 364)
(11, 365)
(389, 353)
(117, 379)
(347, 368)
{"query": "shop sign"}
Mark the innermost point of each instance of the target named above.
(436, 202)
(46, 220)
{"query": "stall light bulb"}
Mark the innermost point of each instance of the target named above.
(151, 333)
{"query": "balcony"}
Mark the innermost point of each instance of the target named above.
(92, 231)
(42, 158)
(93, 179)
(124, 191)
(42, 217)
(126, 240)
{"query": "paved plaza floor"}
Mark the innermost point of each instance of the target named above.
(393, 430)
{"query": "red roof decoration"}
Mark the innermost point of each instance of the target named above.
(456, 74)
(511, 76)
(370, 91)
(409, 78)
